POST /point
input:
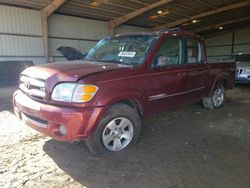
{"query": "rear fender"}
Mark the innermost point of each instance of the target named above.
(219, 79)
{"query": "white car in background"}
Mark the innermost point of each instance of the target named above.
(243, 67)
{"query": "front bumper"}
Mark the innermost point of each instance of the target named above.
(79, 122)
(242, 79)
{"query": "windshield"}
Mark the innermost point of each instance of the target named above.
(128, 49)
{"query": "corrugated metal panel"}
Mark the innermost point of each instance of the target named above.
(36, 60)
(220, 40)
(242, 36)
(219, 51)
(73, 27)
(20, 45)
(245, 48)
(83, 46)
(19, 35)
(19, 20)
(221, 45)
(68, 28)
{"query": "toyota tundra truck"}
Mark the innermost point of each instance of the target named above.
(102, 98)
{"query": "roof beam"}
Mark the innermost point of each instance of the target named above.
(52, 7)
(205, 3)
(180, 6)
(208, 13)
(138, 12)
(45, 13)
(216, 26)
(117, 21)
(115, 4)
(139, 2)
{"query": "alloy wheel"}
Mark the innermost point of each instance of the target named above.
(117, 134)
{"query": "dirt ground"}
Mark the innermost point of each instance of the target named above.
(189, 147)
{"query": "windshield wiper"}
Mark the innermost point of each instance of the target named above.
(122, 63)
(131, 64)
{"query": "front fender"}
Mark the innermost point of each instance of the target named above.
(110, 97)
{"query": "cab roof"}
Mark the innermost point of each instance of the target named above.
(165, 31)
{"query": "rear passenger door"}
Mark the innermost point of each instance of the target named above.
(174, 79)
(197, 73)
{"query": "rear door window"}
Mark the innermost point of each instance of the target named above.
(194, 51)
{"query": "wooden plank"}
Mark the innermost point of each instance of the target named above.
(89, 7)
(44, 22)
(45, 13)
(115, 4)
(115, 22)
(52, 7)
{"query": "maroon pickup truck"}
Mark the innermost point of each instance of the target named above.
(103, 98)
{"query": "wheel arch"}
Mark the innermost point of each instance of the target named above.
(133, 103)
(220, 79)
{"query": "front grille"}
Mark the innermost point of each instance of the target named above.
(36, 119)
(33, 87)
(239, 71)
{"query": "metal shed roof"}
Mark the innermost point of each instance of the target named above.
(200, 16)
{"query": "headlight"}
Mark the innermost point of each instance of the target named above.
(70, 92)
(246, 71)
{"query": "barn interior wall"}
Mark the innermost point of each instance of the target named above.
(223, 45)
(21, 34)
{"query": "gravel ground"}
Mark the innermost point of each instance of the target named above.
(189, 147)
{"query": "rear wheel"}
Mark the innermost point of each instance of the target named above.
(118, 129)
(217, 98)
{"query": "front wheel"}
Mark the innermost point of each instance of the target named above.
(217, 98)
(118, 129)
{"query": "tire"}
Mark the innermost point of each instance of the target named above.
(121, 122)
(217, 98)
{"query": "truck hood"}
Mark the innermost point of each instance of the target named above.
(70, 70)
